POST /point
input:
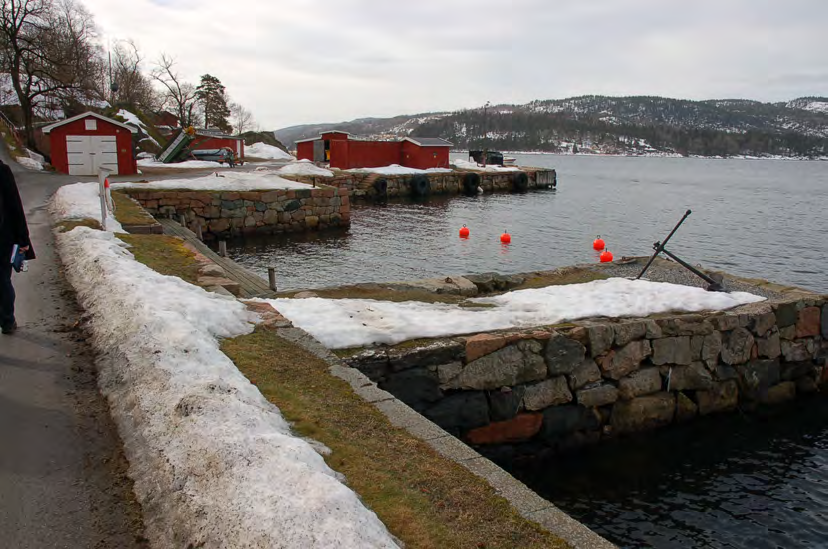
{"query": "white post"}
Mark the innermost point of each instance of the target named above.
(103, 173)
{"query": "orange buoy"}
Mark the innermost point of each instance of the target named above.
(598, 244)
(606, 256)
(464, 232)
(506, 238)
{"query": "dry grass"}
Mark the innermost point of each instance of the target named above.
(566, 275)
(66, 226)
(129, 212)
(164, 254)
(425, 500)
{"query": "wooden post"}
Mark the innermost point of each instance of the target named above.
(271, 277)
(183, 220)
(223, 248)
(199, 234)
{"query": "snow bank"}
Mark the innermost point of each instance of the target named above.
(188, 164)
(30, 163)
(269, 152)
(396, 169)
(214, 463)
(228, 181)
(81, 201)
(133, 119)
(343, 323)
(305, 167)
(466, 165)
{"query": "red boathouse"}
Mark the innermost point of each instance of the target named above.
(341, 151)
(82, 144)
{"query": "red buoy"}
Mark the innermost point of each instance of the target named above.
(464, 232)
(598, 244)
(506, 238)
(606, 256)
(106, 183)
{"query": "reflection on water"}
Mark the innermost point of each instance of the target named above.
(732, 481)
(755, 218)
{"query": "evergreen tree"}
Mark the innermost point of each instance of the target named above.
(213, 100)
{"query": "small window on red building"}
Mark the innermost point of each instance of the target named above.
(91, 124)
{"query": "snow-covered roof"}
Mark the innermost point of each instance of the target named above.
(429, 141)
(334, 131)
(51, 127)
(218, 134)
(308, 140)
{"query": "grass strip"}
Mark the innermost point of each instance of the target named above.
(164, 254)
(423, 498)
(129, 212)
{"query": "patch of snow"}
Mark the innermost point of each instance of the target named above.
(269, 152)
(187, 164)
(305, 167)
(396, 169)
(343, 323)
(228, 181)
(145, 155)
(81, 201)
(466, 165)
(29, 163)
(133, 119)
(213, 462)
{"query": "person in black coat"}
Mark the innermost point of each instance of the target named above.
(13, 230)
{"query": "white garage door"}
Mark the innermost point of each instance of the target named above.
(87, 153)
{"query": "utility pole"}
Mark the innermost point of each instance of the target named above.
(485, 132)
(113, 86)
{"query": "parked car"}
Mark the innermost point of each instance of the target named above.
(216, 155)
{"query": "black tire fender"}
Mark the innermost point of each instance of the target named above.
(381, 186)
(471, 181)
(520, 182)
(420, 185)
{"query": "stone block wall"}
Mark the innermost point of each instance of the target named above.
(581, 382)
(227, 213)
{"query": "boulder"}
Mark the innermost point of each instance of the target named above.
(460, 412)
(725, 373)
(711, 348)
(520, 428)
(723, 396)
(769, 347)
(417, 387)
(587, 372)
(757, 376)
(690, 378)
(482, 344)
(447, 372)
(795, 351)
(783, 392)
(686, 409)
(643, 413)
(600, 339)
(511, 365)
(427, 354)
(506, 403)
(736, 346)
(563, 355)
(563, 420)
(808, 323)
(600, 394)
(672, 350)
(625, 332)
(643, 382)
(549, 392)
(762, 324)
(617, 364)
(786, 315)
(686, 325)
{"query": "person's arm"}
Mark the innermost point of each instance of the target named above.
(15, 216)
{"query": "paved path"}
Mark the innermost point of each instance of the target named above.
(62, 470)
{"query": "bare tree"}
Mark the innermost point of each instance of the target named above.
(179, 95)
(134, 86)
(242, 118)
(48, 49)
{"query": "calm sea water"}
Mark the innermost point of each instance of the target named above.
(755, 218)
(728, 482)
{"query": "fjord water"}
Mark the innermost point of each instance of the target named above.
(756, 218)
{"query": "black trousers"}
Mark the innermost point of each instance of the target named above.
(6, 293)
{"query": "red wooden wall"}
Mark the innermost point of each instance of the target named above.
(205, 143)
(304, 150)
(123, 138)
(415, 156)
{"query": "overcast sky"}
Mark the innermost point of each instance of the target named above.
(309, 61)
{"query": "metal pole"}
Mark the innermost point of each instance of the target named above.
(659, 246)
(183, 220)
(102, 175)
(271, 277)
(689, 267)
(222, 248)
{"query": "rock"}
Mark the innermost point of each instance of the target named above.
(652, 330)
(763, 323)
(547, 393)
(600, 339)
(686, 409)
(686, 325)
(787, 333)
(672, 350)
(696, 347)
(292, 205)
(465, 286)
(736, 346)
(587, 372)
(230, 285)
(563, 355)
(511, 365)
(722, 397)
(769, 347)
(372, 363)
(447, 372)
(795, 351)
(211, 269)
(600, 395)
(311, 221)
(808, 323)
(494, 282)
(643, 413)
(642, 382)
(617, 364)
(711, 348)
(460, 412)
(786, 315)
(482, 344)
(562, 420)
(825, 321)
(791, 371)
(506, 403)
(726, 322)
(417, 387)
(217, 226)
(726, 373)
(784, 392)
(806, 385)
(428, 354)
(690, 378)
(626, 332)
(520, 428)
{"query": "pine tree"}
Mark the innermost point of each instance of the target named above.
(214, 101)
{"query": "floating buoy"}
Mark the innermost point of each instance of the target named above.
(464, 232)
(506, 238)
(606, 257)
(598, 244)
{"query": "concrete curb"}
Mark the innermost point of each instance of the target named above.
(527, 503)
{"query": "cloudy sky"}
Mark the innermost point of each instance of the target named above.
(309, 61)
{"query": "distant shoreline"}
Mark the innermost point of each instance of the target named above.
(662, 155)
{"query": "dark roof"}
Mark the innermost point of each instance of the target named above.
(429, 141)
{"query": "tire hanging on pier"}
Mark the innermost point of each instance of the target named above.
(520, 182)
(471, 181)
(420, 185)
(381, 187)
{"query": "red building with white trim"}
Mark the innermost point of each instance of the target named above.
(341, 151)
(82, 144)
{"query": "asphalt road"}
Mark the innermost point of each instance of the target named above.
(63, 476)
